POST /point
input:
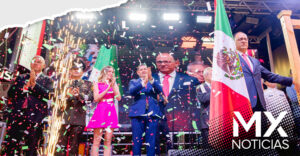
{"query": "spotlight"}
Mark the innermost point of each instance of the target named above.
(124, 25)
(137, 17)
(208, 6)
(188, 42)
(85, 16)
(203, 19)
(171, 27)
(171, 16)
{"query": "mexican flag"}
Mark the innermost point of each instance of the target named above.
(228, 89)
(106, 57)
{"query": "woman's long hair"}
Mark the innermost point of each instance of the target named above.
(103, 73)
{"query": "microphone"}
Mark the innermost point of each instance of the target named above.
(75, 83)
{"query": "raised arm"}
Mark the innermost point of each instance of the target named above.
(275, 78)
(135, 86)
(117, 92)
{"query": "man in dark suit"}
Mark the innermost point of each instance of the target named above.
(203, 96)
(179, 89)
(28, 98)
(145, 112)
(79, 93)
(253, 72)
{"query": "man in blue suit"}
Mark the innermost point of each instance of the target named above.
(145, 111)
(253, 72)
(179, 89)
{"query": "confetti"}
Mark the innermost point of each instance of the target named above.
(58, 149)
(194, 125)
(46, 100)
(49, 47)
(24, 147)
(9, 51)
(170, 109)
(70, 94)
(60, 39)
(180, 134)
(217, 93)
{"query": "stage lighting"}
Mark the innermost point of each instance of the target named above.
(188, 42)
(207, 42)
(85, 15)
(137, 17)
(171, 16)
(203, 19)
(171, 27)
(208, 6)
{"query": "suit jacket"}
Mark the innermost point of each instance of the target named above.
(182, 102)
(75, 112)
(37, 97)
(253, 80)
(142, 95)
(203, 96)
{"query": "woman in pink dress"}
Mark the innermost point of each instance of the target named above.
(105, 115)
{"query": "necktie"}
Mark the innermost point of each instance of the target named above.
(25, 104)
(147, 101)
(247, 61)
(166, 85)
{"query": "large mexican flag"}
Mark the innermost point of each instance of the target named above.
(106, 57)
(229, 91)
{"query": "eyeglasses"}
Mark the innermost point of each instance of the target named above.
(242, 38)
(165, 62)
(36, 61)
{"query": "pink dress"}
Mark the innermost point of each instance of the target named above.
(105, 114)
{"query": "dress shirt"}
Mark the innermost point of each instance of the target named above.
(171, 79)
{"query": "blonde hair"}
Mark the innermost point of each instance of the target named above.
(103, 73)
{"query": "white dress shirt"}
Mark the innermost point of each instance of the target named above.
(251, 65)
(276, 102)
(171, 79)
(208, 84)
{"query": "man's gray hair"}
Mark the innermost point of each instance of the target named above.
(206, 71)
(192, 64)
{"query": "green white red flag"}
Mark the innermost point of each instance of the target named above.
(229, 91)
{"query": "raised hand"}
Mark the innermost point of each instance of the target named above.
(165, 100)
(149, 74)
(146, 80)
(75, 91)
(297, 86)
(112, 83)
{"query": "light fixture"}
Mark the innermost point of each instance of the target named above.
(171, 16)
(203, 19)
(208, 6)
(137, 17)
(207, 42)
(85, 15)
(171, 27)
(124, 25)
(188, 42)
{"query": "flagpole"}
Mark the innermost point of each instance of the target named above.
(288, 26)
